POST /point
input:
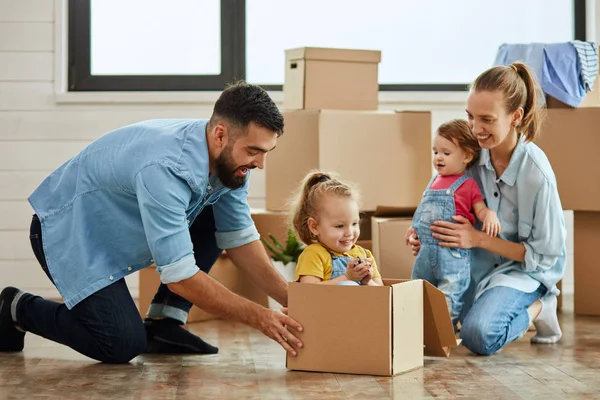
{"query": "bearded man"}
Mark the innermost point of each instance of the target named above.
(171, 193)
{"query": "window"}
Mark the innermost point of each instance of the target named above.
(131, 45)
(203, 44)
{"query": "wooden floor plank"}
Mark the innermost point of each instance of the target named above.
(249, 366)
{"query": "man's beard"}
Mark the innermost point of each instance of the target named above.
(226, 170)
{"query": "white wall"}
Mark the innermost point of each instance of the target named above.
(40, 128)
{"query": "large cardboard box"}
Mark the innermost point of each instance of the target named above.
(372, 330)
(271, 222)
(570, 139)
(331, 78)
(385, 153)
(389, 226)
(587, 273)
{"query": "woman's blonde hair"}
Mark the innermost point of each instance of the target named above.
(517, 82)
(306, 201)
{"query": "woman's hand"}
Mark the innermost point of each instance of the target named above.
(412, 240)
(460, 234)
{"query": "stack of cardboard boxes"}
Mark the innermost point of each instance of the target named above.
(332, 123)
(570, 139)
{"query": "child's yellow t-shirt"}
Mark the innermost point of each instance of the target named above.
(315, 260)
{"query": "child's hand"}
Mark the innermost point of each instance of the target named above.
(368, 277)
(411, 231)
(491, 224)
(357, 269)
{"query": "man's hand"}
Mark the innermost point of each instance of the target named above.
(274, 324)
(210, 295)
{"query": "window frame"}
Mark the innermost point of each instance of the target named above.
(233, 58)
(80, 79)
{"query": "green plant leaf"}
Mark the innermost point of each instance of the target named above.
(271, 249)
(276, 242)
(291, 252)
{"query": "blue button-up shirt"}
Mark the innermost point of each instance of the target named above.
(526, 200)
(127, 200)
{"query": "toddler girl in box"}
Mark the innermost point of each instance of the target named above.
(326, 218)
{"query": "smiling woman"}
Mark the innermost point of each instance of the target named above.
(514, 275)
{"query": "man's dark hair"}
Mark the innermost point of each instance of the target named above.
(242, 103)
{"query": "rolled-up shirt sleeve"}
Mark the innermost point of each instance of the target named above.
(163, 198)
(234, 223)
(544, 239)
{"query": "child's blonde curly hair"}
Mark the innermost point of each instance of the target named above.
(305, 203)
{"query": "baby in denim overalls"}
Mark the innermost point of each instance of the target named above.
(326, 218)
(450, 192)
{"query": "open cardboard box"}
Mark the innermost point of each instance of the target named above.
(371, 330)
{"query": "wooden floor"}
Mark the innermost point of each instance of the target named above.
(251, 367)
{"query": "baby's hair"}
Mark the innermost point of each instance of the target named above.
(458, 132)
(305, 203)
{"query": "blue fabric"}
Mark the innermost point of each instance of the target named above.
(588, 60)
(206, 252)
(127, 200)
(526, 200)
(106, 326)
(447, 269)
(557, 68)
(338, 268)
(497, 318)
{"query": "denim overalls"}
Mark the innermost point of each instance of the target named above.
(449, 269)
(338, 268)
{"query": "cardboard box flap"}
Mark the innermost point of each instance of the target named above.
(439, 335)
(331, 54)
(390, 211)
(408, 341)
